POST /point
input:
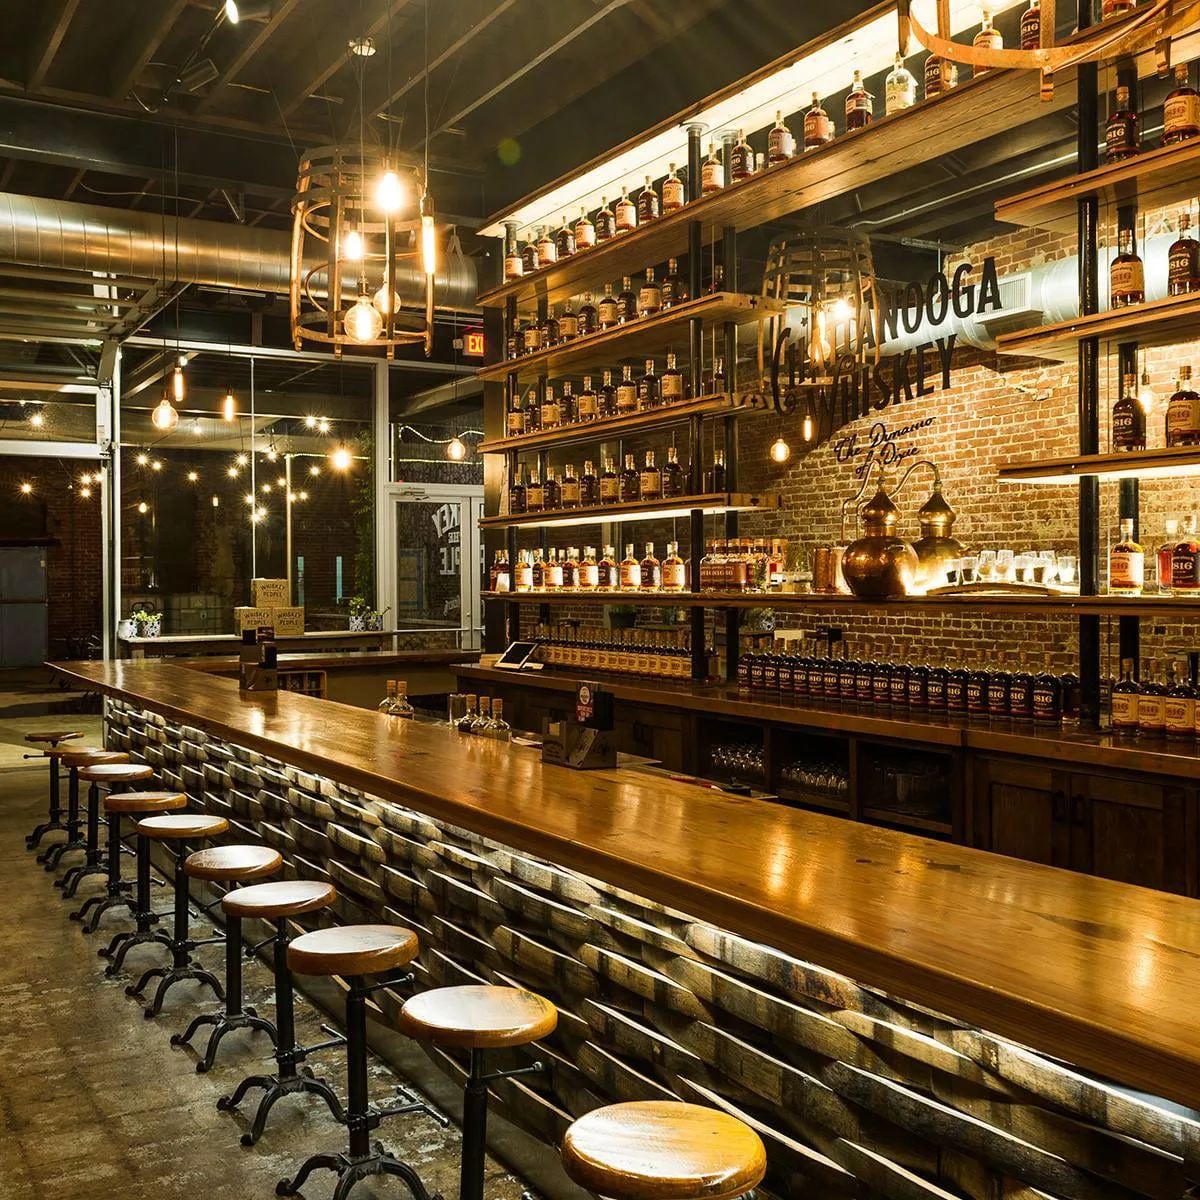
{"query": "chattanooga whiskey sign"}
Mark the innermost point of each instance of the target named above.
(858, 377)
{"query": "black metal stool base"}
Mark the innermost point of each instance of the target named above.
(124, 942)
(169, 976)
(276, 1087)
(51, 857)
(76, 875)
(32, 840)
(104, 903)
(222, 1024)
(351, 1170)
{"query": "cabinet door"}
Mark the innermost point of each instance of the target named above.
(1021, 810)
(1133, 831)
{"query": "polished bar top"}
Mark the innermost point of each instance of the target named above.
(1101, 974)
(333, 661)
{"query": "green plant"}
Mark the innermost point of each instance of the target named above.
(141, 618)
(359, 607)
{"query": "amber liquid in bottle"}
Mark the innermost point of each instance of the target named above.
(627, 393)
(589, 486)
(1183, 413)
(860, 105)
(647, 203)
(1126, 276)
(589, 317)
(650, 571)
(570, 491)
(712, 172)
(607, 310)
(781, 145)
(818, 128)
(1181, 110)
(649, 295)
(1123, 130)
(564, 240)
(741, 159)
(626, 213)
(627, 302)
(610, 484)
(648, 389)
(671, 389)
(1031, 26)
(630, 571)
(674, 194)
(672, 475)
(630, 482)
(650, 480)
(1183, 260)
(606, 222)
(674, 286)
(1128, 419)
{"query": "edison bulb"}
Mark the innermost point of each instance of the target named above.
(27, 489)
(341, 459)
(143, 508)
(841, 309)
(142, 459)
(807, 429)
(177, 385)
(363, 322)
(314, 470)
(197, 428)
(323, 425)
(428, 245)
(456, 449)
(37, 420)
(242, 460)
(1146, 396)
(193, 476)
(229, 406)
(352, 246)
(382, 303)
(389, 192)
(86, 492)
(780, 450)
(165, 416)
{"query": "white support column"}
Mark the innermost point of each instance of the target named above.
(382, 443)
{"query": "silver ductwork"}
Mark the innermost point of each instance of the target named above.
(64, 236)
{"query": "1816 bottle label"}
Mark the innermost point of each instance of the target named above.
(1127, 280)
(1181, 116)
(1183, 267)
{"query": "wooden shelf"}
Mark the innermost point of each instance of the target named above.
(982, 107)
(1156, 323)
(611, 427)
(1145, 464)
(1156, 178)
(641, 510)
(647, 337)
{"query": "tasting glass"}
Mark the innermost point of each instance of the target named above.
(1024, 568)
(458, 707)
(953, 569)
(1051, 560)
(987, 565)
(968, 567)
(1004, 566)
(1066, 569)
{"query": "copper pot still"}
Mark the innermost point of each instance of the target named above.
(827, 577)
(936, 549)
(880, 564)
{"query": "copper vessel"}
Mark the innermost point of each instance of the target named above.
(879, 563)
(936, 549)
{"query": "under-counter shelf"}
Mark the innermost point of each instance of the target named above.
(643, 338)
(640, 510)
(1142, 464)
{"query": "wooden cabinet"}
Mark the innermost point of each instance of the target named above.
(1121, 827)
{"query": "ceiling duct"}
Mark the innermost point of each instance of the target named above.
(61, 235)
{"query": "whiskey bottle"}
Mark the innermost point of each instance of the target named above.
(674, 194)
(939, 678)
(647, 203)
(514, 422)
(529, 257)
(780, 143)
(1125, 701)
(606, 222)
(829, 674)
(607, 568)
(898, 679)
(1126, 275)
(1183, 260)
(1047, 695)
(606, 397)
(627, 302)
(860, 105)
(589, 317)
(918, 686)
(1181, 110)
(1164, 556)
(649, 295)
(1152, 704)
(630, 482)
(551, 491)
(585, 231)
(610, 484)
(607, 311)
(988, 38)
(671, 387)
(514, 265)
(900, 88)
(589, 486)
(941, 75)
(551, 417)
(847, 673)
(1179, 704)
(564, 240)
(712, 172)
(535, 493)
(554, 570)
(570, 491)
(566, 405)
(674, 286)
(999, 687)
(1126, 564)
(1020, 690)
(589, 570)
(516, 492)
(547, 248)
(957, 678)
(818, 128)
(571, 570)
(587, 403)
(483, 718)
(523, 572)
(977, 690)
(672, 475)
(627, 393)
(1031, 26)
(533, 412)
(626, 213)
(741, 159)
(631, 571)
(531, 337)
(550, 329)
(1185, 561)
(499, 730)
(649, 571)
(864, 677)
(717, 282)
(881, 685)
(716, 473)
(500, 577)
(650, 480)
(1123, 130)
(648, 391)
(1183, 413)
(717, 382)
(674, 570)
(1129, 419)
(568, 323)
(538, 577)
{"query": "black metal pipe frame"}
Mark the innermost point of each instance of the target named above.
(696, 372)
(1129, 636)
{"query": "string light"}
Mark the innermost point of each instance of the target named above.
(197, 428)
(266, 487)
(310, 422)
(242, 460)
(281, 481)
(27, 488)
(314, 470)
(303, 495)
(341, 459)
(37, 419)
(216, 502)
(323, 425)
(142, 459)
(249, 498)
(156, 465)
(193, 476)
(272, 455)
(232, 472)
(86, 492)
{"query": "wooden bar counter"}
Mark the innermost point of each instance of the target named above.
(758, 927)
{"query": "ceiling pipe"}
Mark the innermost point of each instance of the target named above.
(60, 235)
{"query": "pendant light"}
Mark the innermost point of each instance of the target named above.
(428, 236)
(363, 321)
(165, 416)
(229, 405)
(780, 450)
(456, 449)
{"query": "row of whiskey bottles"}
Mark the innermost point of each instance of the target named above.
(567, 570)
(559, 407)
(1181, 419)
(1176, 565)
(660, 654)
(1181, 119)
(635, 483)
(1127, 272)
(1165, 702)
(1023, 694)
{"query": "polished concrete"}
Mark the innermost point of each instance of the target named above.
(94, 1101)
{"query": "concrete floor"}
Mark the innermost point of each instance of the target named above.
(94, 1101)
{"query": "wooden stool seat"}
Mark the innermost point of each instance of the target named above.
(478, 1016)
(352, 950)
(115, 772)
(53, 736)
(231, 863)
(663, 1150)
(286, 898)
(180, 826)
(84, 756)
(144, 802)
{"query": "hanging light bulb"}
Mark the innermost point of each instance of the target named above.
(428, 237)
(314, 470)
(310, 422)
(272, 455)
(386, 303)
(780, 450)
(142, 459)
(232, 472)
(323, 425)
(242, 460)
(363, 322)
(229, 405)
(193, 476)
(216, 502)
(341, 459)
(165, 416)
(27, 489)
(1146, 394)
(143, 507)
(841, 310)
(456, 449)
(37, 420)
(389, 192)
(177, 388)
(807, 429)
(352, 246)
(86, 492)
(197, 428)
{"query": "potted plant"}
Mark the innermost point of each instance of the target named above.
(363, 617)
(147, 624)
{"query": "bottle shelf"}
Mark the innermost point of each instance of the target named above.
(1155, 323)
(979, 108)
(1169, 175)
(1144, 464)
(641, 510)
(611, 427)
(645, 337)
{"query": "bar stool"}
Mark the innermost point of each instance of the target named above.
(53, 819)
(171, 827)
(229, 864)
(663, 1150)
(94, 861)
(72, 757)
(277, 902)
(118, 892)
(354, 952)
(478, 1017)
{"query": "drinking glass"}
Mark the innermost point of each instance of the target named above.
(953, 568)
(968, 567)
(1051, 560)
(1004, 566)
(458, 707)
(1066, 569)
(987, 565)
(1023, 564)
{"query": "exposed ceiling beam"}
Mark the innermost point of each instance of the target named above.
(139, 51)
(56, 17)
(258, 35)
(292, 92)
(440, 396)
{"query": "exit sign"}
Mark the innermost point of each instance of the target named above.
(473, 343)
